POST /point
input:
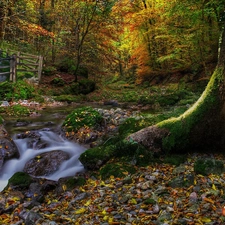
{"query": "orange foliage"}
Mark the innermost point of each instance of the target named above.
(34, 29)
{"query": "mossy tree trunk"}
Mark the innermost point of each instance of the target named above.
(201, 127)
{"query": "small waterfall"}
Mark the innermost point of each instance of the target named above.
(54, 142)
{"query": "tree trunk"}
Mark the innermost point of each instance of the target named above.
(200, 128)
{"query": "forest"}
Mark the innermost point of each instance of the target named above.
(125, 122)
(136, 40)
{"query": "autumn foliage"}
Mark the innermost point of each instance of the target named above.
(125, 38)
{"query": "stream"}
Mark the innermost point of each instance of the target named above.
(45, 126)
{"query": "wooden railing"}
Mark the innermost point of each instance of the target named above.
(13, 62)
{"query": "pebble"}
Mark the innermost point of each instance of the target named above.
(125, 202)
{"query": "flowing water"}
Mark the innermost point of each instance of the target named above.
(54, 142)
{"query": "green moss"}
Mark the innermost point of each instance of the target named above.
(82, 117)
(132, 152)
(20, 179)
(181, 126)
(116, 170)
(74, 182)
(207, 166)
(95, 157)
(175, 159)
(149, 201)
(132, 125)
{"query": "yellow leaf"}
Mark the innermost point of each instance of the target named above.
(104, 212)
(64, 187)
(110, 220)
(133, 201)
(105, 218)
(206, 220)
(88, 203)
(79, 211)
(214, 187)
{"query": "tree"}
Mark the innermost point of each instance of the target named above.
(201, 127)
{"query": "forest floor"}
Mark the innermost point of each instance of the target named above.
(158, 194)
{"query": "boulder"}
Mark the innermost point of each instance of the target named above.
(45, 163)
(8, 149)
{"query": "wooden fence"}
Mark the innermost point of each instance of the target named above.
(12, 62)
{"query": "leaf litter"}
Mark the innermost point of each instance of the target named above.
(148, 196)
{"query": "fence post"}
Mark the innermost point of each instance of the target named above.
(40, 64)
(13, 68)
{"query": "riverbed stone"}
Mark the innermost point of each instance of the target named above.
(45, 163)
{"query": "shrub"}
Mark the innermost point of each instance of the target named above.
(22, 90)
(58, 81)
(86, 86)
(6, 90)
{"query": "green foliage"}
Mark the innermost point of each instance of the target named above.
(82, 71)
(20, 179)
(80, 117)
(74, 88)
(17, 110)
(22, 90)
(116, 170)
(58, 81)
(1, 119)
(67, 65)
(49, 70)
(207, 166)
(6, 89)
(86, 86)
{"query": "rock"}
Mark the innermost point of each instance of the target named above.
(111, 102)
(4, 104)
(193, 197)
(32, 218)
(150, 137)
(45, 163)
(8, 149)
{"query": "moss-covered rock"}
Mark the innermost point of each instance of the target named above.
(82, 117)
(94, 158)
(207, 166)
(20, 180)
(125, 151)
